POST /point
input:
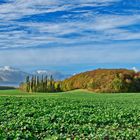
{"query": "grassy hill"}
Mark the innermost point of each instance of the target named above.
(104, 80)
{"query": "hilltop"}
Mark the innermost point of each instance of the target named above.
(100, 80)
(104, 80)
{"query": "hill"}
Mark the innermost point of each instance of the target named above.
(104, 80)
(10, 76)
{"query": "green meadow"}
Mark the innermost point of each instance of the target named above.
(75, 115)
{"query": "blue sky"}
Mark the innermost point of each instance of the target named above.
(70, 36)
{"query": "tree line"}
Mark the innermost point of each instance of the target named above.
(40, 84)
(100, 80)
(104, 81)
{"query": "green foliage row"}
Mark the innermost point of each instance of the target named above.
(6, 88)
(70, 116)
(44, 84)
(101, 80)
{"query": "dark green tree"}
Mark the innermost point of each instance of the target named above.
(46, 84)
(43, 84)
(28, 83)
(37, 84)
(32, 84)
(51, 87)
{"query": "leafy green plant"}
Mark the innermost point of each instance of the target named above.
(75, 115)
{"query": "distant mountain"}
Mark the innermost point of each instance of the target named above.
(56, 75)
(13, 77)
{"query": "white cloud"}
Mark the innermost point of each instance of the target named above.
(103, 27)
(105, 22)
(61, 56)
(90, 27)
(135, 69)
(17, 9)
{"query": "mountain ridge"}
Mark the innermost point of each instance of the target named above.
(13, 76)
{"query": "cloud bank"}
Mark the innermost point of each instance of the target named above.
(53, 32)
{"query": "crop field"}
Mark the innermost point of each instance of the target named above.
(73, 115)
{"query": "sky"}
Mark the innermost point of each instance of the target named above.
(70, 36)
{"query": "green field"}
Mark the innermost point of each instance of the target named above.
(74, 115)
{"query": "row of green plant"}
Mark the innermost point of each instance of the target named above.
(80, 116)
(43, 84)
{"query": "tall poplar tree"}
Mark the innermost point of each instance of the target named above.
(28, 84)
